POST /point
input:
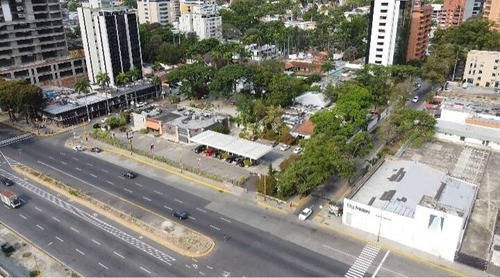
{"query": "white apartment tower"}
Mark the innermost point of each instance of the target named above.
(158, 11)
(111, 39)
(388, 31)
(202, 18)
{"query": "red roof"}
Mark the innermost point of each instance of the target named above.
(306, 128)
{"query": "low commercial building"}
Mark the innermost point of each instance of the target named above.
(263, 52)
(184, 128)
(412, 204)
(304, 25)
(483, 69)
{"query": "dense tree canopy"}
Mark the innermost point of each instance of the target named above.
(194, 78)
(19, 97)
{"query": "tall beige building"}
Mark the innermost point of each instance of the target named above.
(158, 11)
(491, 12)
(483, 69)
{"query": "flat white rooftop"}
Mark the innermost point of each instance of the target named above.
(399, 186)
(232, 144)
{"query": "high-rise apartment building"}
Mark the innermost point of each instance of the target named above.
(491, 11)
(111, 37)
(158, 11)
(421, 21)
(33, 44)
(483, 68)
(454, 12)
(200, 17)
(388, 32)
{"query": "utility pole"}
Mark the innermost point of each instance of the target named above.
(180, 156)
(85, 129)
(265, 188)
(379, 225)
(130, 136)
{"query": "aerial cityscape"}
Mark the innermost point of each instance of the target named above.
(250, 138)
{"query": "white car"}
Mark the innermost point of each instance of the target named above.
(305, 214)
(104, 120)
(141, 104)
(297, 150)
(78, 148)
(415, 99)
(284, 147)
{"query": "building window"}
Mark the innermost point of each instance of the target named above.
(380, 43)
(493, 74)
(480, 72)
(383, 17)
(383, 11)
(378, 62)
(382, 23)
(479, 78)
(381, 37)
(462, 138)
(495, 67)
(378, 56)
(496, 61)
(381, 30)
(385, 4)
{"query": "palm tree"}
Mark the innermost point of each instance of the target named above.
(81, 87)
(103, 80)
(123, 78)
(156, 81)
(134, 74)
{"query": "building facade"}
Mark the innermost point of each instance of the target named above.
(483, 69)
(158, 11)
(491, 11)
(454, 12)
(388, 32)
(421, 21)
(112, 40)
(202, 18)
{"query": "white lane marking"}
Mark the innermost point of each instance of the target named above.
(169, 208)
(50, 243)
(38, 209)
(40, 227)
(80, 252)
(192, 218)
(199, 209)
(74, 229)
(212, 226)
(187, 266)
(201, 273)
(339, 251)
(128, 190)
(380, 265)
(149, 272)
(104, 170)
(56, 219)
(103, 265)
(121, 256)
(110, 182)
(22, 216)
(227, 220)
(209, 267)
(194, 260)
(93, 175)
(178, 201)
(76, 159)
(64, 163)
(51, 157)
(146, 198)
(78, 169)
(138, 184)
(158, 192)
(58, 238)
(22, 200)
(96, 242)
(61, 153)
(90, 165)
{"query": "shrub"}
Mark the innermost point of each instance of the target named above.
(285, 164)
(35, 273)
(225, 155)
(247, 162)
(174, 99)
(288, 139)
(244, 134)
(271, 185)
(220, 128)
(26, 254)
(143, 131)
(114, 122)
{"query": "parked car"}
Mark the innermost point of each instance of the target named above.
(104, 120)
(141, 104)
(180, 214)
(5, 181)
(129, 175)
(415, 99)
(217, 154)
(209, 152)
(305, 214)
(284, 147)
(238, 160)
(199, 149)
(297, 150)
(231, 158)
(96, 150)
(274, 144)
(78, 148)
(96, 126)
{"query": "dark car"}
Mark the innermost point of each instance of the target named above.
(96, 150)
(180, 214)
(5, 181)
(96, 126)
(199, 149)
(217, 154)
(231, 158)
(129, 175)
(274, 144)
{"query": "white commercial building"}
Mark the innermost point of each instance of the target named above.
(304, 25)
(413, 204)
(470, 121)
(158, 11)
(202, 18)
(386, 38)
(111, 35)
(263, 52)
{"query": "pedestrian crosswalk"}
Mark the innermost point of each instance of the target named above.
(363, 262)
(15, 139)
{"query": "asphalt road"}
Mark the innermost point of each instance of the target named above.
(263, 254)
(421, 93)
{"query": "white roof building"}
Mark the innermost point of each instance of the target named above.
(316, 99)
(202, 19)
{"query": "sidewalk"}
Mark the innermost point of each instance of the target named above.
(45, 129)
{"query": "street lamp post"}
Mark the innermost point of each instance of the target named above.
(130, 136)
(379, 225)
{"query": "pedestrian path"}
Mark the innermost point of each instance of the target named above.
(363, 262)
(15, 139)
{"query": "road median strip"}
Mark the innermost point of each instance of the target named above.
(190, 243)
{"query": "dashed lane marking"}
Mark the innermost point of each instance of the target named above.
(169, 208)
(209, 267)
(80, 252)
(104, 170)
(51, 157)
(40, 227)
(190, 217)
(121, 177)
(199, 209)
(128, 190)
(64, 163)
(38, 209)
(146, 198)
(103, 265)
(50, 243)
(78, 169)
(227, 220)
(158, 192)
(149, 272)
(96, 242)
(138, 184)
(178, 201)
(56, 219)
(119, 255)
(90, 165)
(94, 176)
(217, 228)
(201, 273)
(76, 159)
(61, 153)
(110, 182)
(22, 216)
(74, 229)
(58, 238)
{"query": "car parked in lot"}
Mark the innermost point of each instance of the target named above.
(297, 150)
(96, 150)
(305, 214)
(5, 181)
(129, 175)
(284, 147)
(217, 154)
(78, 148)
(274, 144)
(231, 158)
(415, 99)
(96, 125)
(209, 152)
(199, 149)
(180, 214)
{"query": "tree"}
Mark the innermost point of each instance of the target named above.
(73, 5)
(81, 87)
(122, 78)
(283, 89)
(134, 74)
(103, 80)
(194, 78)
(273, 120)
(225, 80)
(28, 99)
(327, 67)
(156, 81)
(408, 124)
(169, 54)
(130, 3)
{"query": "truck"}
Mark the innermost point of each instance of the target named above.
(9, 199)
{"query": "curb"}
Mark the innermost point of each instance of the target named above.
(116, 219)
(392, 250)
(262, 204)
(193, 179)
(39, 248)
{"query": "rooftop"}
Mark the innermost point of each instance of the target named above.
(399, 186)
(193, 121)
(306, 128)
(313, 99)
(467, 130)
(232, 144)
(472, 105)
